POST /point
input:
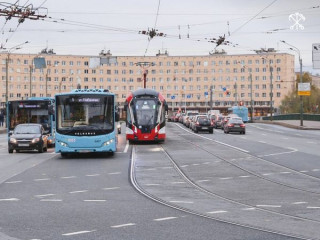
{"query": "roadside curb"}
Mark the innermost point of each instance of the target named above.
(287, 125)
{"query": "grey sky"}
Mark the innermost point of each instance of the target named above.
(114, 26)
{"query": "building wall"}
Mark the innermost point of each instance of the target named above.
(187, 78)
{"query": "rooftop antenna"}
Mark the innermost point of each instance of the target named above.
(179, 32)
(188, 36)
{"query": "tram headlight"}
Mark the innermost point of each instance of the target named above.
(63, 144)
(108, 142)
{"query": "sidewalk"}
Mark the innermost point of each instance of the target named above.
(3, 130)
(307, 125)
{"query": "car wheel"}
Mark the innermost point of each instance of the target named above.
(211, 131)
(10, 150)
(244, 132)
(40, 150)
(17, 150)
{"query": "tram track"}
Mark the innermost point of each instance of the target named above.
(255, 157)
(151, 196)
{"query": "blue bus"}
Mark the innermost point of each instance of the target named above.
(85, 121)
(241, 111)
(34, 110)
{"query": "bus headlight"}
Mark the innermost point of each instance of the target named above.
(13, 140)
(108, 142)
(63, 144)
(35, 140)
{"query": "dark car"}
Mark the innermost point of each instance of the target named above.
(202, 123)
(28, 137)
(235, 125)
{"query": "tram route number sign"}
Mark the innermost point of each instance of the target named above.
(304, 89)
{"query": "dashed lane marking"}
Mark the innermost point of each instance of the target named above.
(226, 178)
(14, 182)
(244, 176)
(298, 203)
(94, 200)
(206, 180)
(80, 191)
(51, 200)
(44, 195)
(110, 188)
(248, 209)
(164, 219)
(270, 206)
(123, 225)
(9, 200)
(310, 207)
(41, 179)
(68, 177)
(215, 212)
(114, 173)
(152, 184)
(93, 175)
(182, 202)
(77, 233)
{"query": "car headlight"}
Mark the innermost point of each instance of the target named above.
(63, 144)
(35, 140)
(13, 140)
(108, 142)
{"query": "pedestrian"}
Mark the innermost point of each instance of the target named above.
(1, 118)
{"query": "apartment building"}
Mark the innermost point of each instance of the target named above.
(185, 81)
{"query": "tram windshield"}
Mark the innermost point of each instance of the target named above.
(145, 111)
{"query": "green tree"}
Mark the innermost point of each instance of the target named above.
(291, 102)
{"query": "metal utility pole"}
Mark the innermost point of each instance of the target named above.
(235, 94)
(251, 101)
(30, 69)
(211, 93)
(145, 66)
(300, 61)
(271, 92)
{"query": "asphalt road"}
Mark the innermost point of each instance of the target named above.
(262, 185)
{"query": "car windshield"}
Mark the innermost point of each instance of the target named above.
(26, 129)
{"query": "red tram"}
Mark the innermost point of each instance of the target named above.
(146, 111)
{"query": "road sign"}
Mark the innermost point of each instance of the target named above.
(173, 97)
(304, 89)
(316, 55)
(189, 96)
(206, 93)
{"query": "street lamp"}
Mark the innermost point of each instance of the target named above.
(17, 47)
(300, 61)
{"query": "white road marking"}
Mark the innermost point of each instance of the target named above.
(274, 154)
(150, 169)
(123, 225)
(93, 175)
(214, 212)
(225, 178)
(178, 182)
(181, 202)
(304, 171)
(164, 219)
(95, 200)
(262, 142)
(196, 164)
(297, 203)
(312, 142)
(127, 146)
(244, 176)
(51, 200)
(267, 174)
(222, 143)
(167, 167)
(114, 173)
(248, 209)
(206, 163)
(315, 170)
(45, 195)
(285, 172)
(41, 179)
(9, 200)
(152, 184)
(77, 233)
(14, 182)
(68, 177)
(204, 180)
(111, 188)
(183, 166)
(80, 191)
(313, 207)
(271, 206)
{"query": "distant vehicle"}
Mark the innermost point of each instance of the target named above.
(202, 123)
(216, 120)
(28, 137)
(235, 125)
(214, 112)
(146, 110)
(241, 111)
(34, 110)
(189, 114)
(86, 121)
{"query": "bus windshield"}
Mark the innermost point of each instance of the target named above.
(29, 112)
(146, 111)
(85, 112)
